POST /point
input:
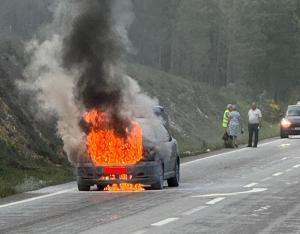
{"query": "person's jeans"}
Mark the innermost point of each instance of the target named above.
(253, 129)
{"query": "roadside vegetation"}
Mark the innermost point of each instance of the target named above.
(196, 109)
(31, 155)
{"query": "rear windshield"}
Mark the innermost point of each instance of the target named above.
(293, 111)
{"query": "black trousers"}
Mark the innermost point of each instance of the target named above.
(253, 129)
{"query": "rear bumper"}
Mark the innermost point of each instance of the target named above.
(290, 131)
(142, 173)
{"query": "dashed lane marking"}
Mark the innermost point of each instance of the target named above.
(250, 185)
(254, 190)
(215, 201)
(278, 174)
(195, 210)
(285, 145)
(140, 232)
(297, 166)
(164, 222)
(266, 179)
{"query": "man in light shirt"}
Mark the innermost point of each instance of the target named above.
(254, 121)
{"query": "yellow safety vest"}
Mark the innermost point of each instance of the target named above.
(226, 119)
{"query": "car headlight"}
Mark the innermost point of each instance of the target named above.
(149, 154)
(285, 123)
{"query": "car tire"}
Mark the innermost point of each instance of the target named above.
(159, 184)
(174, 182)
(83, 187)
(283, 135)
(101, 187)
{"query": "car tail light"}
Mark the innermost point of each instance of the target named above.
(115, 170)
(285, 123)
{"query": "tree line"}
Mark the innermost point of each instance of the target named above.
(254, 43)
(220, 42)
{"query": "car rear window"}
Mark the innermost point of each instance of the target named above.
(293, 111)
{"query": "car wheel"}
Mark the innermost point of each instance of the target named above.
(174, 182)
(83, 187)
(101, 187)
(283, 135)
(159, 184)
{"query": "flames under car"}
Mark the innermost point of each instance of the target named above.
(160, 162)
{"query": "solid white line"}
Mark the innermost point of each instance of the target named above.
(250, 185)
(164, 222)
(255, 190)
(222, 154)
(182, 164)
(215, 201)
(36, 198)
(297, 166)
(195, 210)
(278, 174)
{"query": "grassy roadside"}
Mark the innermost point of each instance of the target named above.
(20, 173)
(196, 110)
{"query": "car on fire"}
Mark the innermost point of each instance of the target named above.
(160, 161)
(290, 124)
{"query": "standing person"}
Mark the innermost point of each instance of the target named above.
(235, 125)
(225, 125)
(254, 121)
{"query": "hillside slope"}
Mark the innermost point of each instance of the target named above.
(30, 154)
(195, 109)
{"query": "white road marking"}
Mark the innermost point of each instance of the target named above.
(36, 198)
(266, 179)
(182, 165)
(288, 170)
(164, 222)
(278, 174)
(226, 153)
(215, 201)
(250, 185)
(263, 208)
(285, 158)
(297, 166)
(255, 190)
(195, 210)
(140, 232)
(285, 145)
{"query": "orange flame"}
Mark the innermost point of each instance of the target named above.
(107, 148)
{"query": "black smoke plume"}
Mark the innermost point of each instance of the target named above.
(94, 47)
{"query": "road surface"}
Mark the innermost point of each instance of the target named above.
(240, 191)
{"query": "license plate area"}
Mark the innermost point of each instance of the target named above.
(115, 171)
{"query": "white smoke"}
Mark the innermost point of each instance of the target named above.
(54, 85)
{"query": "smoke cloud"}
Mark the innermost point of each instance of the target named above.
(76, 65)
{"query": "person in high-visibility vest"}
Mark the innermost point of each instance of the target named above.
(226, 117)
(225, 123)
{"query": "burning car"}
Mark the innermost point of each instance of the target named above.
(144, 158)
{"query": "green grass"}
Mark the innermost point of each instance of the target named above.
(195, 109)
(20, 173)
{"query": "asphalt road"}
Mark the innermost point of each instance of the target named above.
(241, 191)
